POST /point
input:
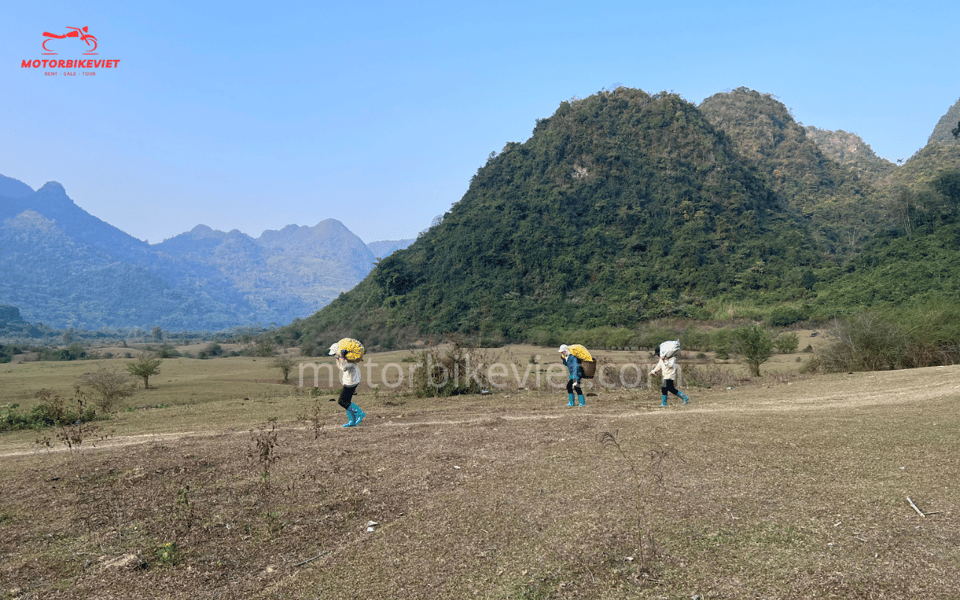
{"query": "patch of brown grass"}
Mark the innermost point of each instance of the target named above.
(786, 490)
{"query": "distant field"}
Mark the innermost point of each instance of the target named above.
(225, 389)
(196, 381)
(237, 486)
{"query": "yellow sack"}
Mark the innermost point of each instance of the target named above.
(580, 352)
(353, 347)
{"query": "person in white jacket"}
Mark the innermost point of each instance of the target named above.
(668, 368)
(350, 378)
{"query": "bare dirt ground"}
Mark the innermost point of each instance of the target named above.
(794, 490)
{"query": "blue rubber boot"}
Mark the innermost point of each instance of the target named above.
(683, 397)
(352, 420)
(663, 400)
(358, 414)
(570, 401)
(583, 401)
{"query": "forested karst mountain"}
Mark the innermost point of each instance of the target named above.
(836, 198)
(620, 207)
(53, 204)
(850, 150)
(623, 207)
(943, 132)
(942, 152)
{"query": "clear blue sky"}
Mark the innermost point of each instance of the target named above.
(256, 115)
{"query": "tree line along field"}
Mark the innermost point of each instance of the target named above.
(225, 483)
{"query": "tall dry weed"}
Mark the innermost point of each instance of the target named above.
(265, 441)
(648, 482)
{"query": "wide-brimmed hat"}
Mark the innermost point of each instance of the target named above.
(563, 348)
(334, 349)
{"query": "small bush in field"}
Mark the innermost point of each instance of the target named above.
(50, 411)
(784, 316)
(787, 343)
(721, 342)
(754, 344)
(285, 364)
(168, 554)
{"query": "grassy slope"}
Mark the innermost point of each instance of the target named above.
(792, 490)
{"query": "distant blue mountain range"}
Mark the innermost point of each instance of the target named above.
(63, 267)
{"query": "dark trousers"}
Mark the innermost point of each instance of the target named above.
(346, 396)
(573, 385)
(668, 386)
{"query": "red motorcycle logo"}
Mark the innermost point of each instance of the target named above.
(77, 32)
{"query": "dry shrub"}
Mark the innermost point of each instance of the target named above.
(264, 452)
(878, 341)
(449, 371)
(108, 385)
(864, 342)
(926, 355)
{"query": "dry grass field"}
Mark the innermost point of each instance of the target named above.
(223, 482)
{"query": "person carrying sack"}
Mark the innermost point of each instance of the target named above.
(573, 383)
(350, 378)
(667, 366)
